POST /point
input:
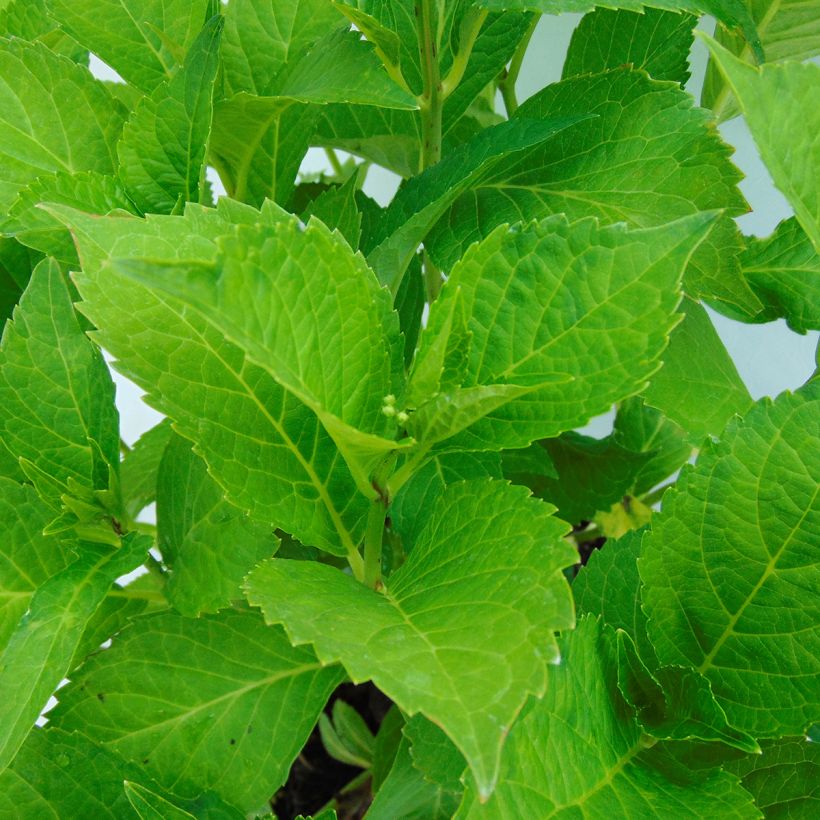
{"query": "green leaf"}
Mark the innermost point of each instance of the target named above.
(143, 40)
(197, 703)
(427, 196)
(138, 472)
(162, 150)
(779, 100)
(673, 702)
(266, 449)
(16, 264)
(151, 806)
(435, 755)
(339, 354)
(262, 37)
(29, 20)
(784, 272)
(656, 41)
(386, 747)
(347, 738)
(40, 650)
(57, 774)
(698, 386)
(209, 545)
(788, 29)
(464, 629)
(562, 287)
(33, 226)
(734, 14)
(731, 561)
(71, 440)
(785, 779)
(406, 794)
(579, 751)
(42, 132)
(28, 558)
(649, 157)
(337, 208)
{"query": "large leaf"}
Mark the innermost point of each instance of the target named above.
(198, 703)
(780, 106)
(579, 751)
(788, 30)
(563, 286)
(784, 272)
(143, 40)
(698, 386)
(656, 41)
(30, 20)
(41, 648)
(730, 567)
(647, 158)
(44, 132)
(261, 444)
(785, 779)
(427, 196)
(209, 545)
(463, 631)
(162, 150)
(335, 343)
(73, 438)
(27, 557)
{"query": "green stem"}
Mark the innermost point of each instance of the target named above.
(125, 449)
(359, 780)
(374, 533)
(472, 26)
(406, 471)
(335, 164)
(510, 77)
(431, 101)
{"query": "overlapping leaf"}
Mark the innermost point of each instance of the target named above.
(209, 545)
(162, 150)
(579, 750)
(779, 103)
(198, 703)
(698, 386)
(647, 158)
(144, 40)
(731, 563)
(42, 132)
(263, 445)
(30, 20)
(540, 301)
(784, 271)
(138, 472)
(464, 630)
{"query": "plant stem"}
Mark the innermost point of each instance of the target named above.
(474, 21)
(406, 471)
(432, 100)
(373, 536)
(335, 164)
(510, 76)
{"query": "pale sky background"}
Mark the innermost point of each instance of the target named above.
(770, 358)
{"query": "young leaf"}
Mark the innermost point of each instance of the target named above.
(209, 545)
(263, 445)
(647, 158)
(779, 100)
(73, 438)
(464, 630)
(40, 650)
(579, 750)
(33, 226)
(28, 558)
(788, 30)
(347, 738)
(138, 472)
(656, 41)
(785, 779)
(784, 272)
(698, 386)
(197, 702)
(730, 563)
(426, 197)
(335, 342)
(561, 286)
(42, 132)
(162, 149)
(143, 40)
